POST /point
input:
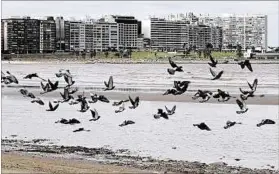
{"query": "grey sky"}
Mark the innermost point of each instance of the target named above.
(142, 9)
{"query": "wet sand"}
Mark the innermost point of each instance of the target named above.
(268, 99)
(33, 157)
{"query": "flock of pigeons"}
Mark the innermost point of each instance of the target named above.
(179, 88)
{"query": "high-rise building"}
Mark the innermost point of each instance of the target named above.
(182, 33)
(105, 35)
(21, 35)
(47, 35)
(246, 30)
(127, 31)
(62, 34)
(75, 36)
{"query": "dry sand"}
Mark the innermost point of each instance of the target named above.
(15, 162)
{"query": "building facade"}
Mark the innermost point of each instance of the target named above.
(179, 34)
(127, 31)
(105, 35)
(47, 35)
(21, 35)
(246, 30)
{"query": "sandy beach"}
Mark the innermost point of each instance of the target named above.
(36, 144)
(16, 162)
(23, 157)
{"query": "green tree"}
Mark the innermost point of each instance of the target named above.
(239, 51)
(106, 54)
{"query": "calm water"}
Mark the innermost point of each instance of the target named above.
(256, 147)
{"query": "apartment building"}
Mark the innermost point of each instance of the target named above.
(105, 35)
(168, 34)
(176, 34)
(21, 35)
(47, 35)
(62, 34)
(127, 31)
(246, 30)
(75, 36)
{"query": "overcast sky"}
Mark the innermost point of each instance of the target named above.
(142, 9)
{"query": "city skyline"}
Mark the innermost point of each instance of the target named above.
(163, 8)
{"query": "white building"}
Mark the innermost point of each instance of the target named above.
(246, 30)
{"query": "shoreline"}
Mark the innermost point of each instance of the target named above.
(268, 99)
(32, 156)
(133, 61)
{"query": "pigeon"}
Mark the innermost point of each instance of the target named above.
(119, 102)
(46, 88)
(94, 98)
(172, 111)
(135, 103)
(202, 126)
(247, 64)
(109, 85)
(69, 80)
(84, 105)
(242, 106)
(204, 94)
(170, 91)
(70, 121)
(38, 100)
(102, 98)
(11, 78)
(174, 65)
(160, 114)
(121, 108)
(246, 94)
(213, 63)
(51, 108)
(49, 87)
(31, 95)
(126, 122)
(66, 73)
(265, 121)
(81, 129)
(33, 75)
(230, 124)
(66, 96)
(215, 77)
(53, 86)
(95, 115)
(222, 94)
(24, 92)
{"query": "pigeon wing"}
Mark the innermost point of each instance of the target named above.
(166, 110)
(137, 101)
(66, 78)
(106, 84)
(55, 107)
(131, 100)
(255, 84)
(240, 104)
(211, 59)
(173, 108)
(212, 72)
(248, 65)
(172, 63)
(110, 82)
(93, 114)
(50, 106)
